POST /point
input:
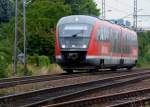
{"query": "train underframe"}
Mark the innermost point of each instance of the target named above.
(78, 60)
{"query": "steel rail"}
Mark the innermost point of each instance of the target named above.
(6, 83)
(134, 98)
(55, 95)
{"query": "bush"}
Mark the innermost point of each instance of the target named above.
(39, 60)
(3, 66)
(33, 60)
(43, 61)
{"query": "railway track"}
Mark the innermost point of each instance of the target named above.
(134, 98)
(65, 93)
(6, 83)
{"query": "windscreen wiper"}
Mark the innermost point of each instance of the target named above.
(75, 35)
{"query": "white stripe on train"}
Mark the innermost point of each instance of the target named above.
(104, 57)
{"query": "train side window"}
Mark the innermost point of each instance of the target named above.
(117, 42)
(98, 34)
(107, 33)
(110, 38)
(102, 34)
(136, 42)
(126, 43)
(129, 42)
(133, 41)
(111, 34)
(114, 41)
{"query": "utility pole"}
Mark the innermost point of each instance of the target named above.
(103, 10)
(24, 33)
(15, 39)
(135, 15)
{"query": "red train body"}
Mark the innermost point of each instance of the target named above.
(86, 42)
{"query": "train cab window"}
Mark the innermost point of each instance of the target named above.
(80, 30)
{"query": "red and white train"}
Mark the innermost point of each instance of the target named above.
(86, 42)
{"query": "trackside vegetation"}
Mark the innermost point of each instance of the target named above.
(41, 18)
(144, 49)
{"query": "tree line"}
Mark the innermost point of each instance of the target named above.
(41, 18)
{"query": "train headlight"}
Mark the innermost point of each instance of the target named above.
(84, 46)
(63, 46)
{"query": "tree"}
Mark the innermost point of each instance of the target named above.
(144, 48)
(6, 10)
(83, 7)
(6, 47)
(42, 16)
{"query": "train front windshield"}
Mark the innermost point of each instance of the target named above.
(74, 35)
(75, 30)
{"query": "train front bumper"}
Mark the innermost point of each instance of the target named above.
(87, 63)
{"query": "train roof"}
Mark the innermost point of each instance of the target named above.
(78, 19)
(89, 20)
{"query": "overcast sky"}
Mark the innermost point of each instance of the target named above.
(116, 9)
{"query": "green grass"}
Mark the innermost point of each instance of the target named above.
(34, 70)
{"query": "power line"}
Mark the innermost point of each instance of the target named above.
(130, 14)
(119, 10)
(143, 15)
(123, 3)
